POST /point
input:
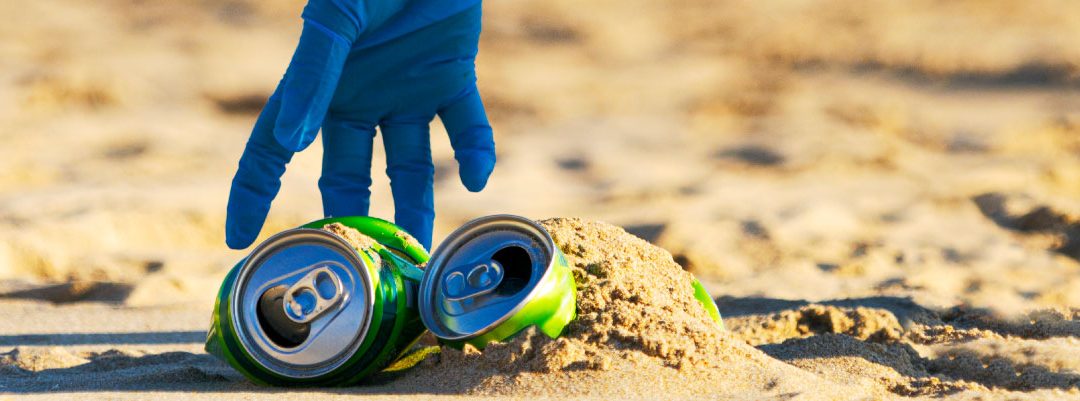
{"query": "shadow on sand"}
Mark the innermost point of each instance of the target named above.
(120, 371)
(163, 337)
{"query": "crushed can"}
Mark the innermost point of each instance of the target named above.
(311, 307)
(307, 307)
(496, 276)
(492, 278)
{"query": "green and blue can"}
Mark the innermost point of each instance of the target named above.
(322, 307)
(494, 277)
(311, 307)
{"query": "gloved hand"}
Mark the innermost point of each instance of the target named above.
(394, 64)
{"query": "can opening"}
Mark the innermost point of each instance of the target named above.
(281, 330)
(517, 265)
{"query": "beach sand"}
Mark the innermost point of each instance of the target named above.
(883, 197)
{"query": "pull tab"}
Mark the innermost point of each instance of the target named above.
(315, 293)
(479, 280)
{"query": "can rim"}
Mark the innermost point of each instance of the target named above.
(454, 241)
(257, 255)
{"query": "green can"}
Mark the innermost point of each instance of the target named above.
(494, 277)
(311, 307)
(707, 302)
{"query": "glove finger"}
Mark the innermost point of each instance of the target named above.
(346, 169)
(309, 85)
(411, 172)
(470, 134)
(257, 180)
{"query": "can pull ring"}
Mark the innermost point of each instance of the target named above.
(480, 279)
(314, 294)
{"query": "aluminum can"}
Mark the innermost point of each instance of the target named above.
(307, 307)
(494, 277)
(707, 302)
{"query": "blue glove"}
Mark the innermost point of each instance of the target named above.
(394, 64)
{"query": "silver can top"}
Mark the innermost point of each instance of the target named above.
(482, 274)
(302, 303)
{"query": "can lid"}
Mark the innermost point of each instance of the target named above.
(482, 274)
(302, 303)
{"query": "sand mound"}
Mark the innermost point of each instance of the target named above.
(31, 359)
(636, 318)
(1010, 364)
(962, 360)
(1037, 324)
(893, 346)
(862, 323)
(892, 367)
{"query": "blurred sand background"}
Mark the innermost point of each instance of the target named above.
(806, 159)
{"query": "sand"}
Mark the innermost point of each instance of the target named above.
(351, 235)
(882, 196)
(636, 318)
(640, 334)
